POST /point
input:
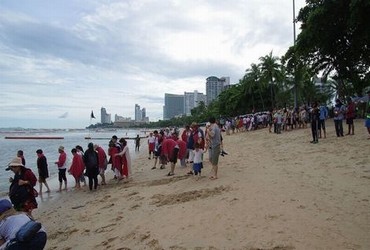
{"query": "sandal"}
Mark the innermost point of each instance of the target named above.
(153, 167)
(170, 174)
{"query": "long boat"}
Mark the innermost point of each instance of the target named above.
(34, 137)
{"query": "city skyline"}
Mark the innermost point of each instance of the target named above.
(62, 59)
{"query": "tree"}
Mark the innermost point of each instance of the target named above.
(270, 73)
(335, 37)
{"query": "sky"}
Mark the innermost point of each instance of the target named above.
(60, 59)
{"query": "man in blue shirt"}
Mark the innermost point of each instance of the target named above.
(323, 116)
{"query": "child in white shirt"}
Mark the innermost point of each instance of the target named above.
(198, 159)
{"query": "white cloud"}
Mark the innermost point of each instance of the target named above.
(76, 56)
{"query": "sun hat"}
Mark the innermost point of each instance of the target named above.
(5, 205)
(61, 148)
(16, 162)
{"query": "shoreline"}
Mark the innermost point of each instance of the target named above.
(273, 192)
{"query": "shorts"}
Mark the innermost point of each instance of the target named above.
(367, 123)
(214, 154)
(197, 167)
(349, 121)
(157, 152)
(173, 158)
(42, 179)
(321, 124)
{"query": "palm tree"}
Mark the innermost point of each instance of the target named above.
(252, 80)
(270, 72)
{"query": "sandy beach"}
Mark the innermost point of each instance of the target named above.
(274, 192)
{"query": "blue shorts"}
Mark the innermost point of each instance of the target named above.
(197, 167)
(367, 123)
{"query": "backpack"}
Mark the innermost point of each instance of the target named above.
(18, 194)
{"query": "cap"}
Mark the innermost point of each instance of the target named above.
(5, 205)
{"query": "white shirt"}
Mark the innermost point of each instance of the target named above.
(198, 155)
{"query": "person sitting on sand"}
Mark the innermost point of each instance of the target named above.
(11, 222)
(42, 166)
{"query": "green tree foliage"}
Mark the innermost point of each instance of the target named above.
(335, 39)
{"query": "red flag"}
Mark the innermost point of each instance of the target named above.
(92, 114)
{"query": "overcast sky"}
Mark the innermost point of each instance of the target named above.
(61, 59)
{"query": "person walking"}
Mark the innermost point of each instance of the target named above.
(323, 116)
(77, 167)
(91, 160)
(367, 121)
(62, 168)
(315, 117)
(350, 116)
(214, 133)
(137, 143)
(42, 166)
(339, 111)
(103, 162)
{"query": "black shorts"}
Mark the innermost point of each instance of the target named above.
(173, 157)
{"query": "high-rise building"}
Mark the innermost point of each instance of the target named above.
(138, 114)
(173, 106)
(214, 87)
(192, 100)
(104, 116)
(143, 114)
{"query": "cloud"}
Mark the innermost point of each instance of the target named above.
(78, 56)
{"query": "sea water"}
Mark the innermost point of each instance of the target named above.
(9, 148)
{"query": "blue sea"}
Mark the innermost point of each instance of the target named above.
(9, 147)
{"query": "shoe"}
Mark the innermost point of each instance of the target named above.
(170, 174)
(153, 167)
(223, 152)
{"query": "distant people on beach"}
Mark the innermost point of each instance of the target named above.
(350, 116)
(324, 114)
(151, 145)
(214, 133)
(339, 113)
(77, 167)
(91, 161)
(14, 225)
(137, 143)
(21, 191)
(103, 162)
(367, 121)
(126, 158)
(198, 160)
(315, 117)
(20, 154)
(62, 168)
(42, 167)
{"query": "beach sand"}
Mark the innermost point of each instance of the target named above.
(274, 192)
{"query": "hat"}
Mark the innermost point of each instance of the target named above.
(16, 162)
(61, 148)
(5, 205)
